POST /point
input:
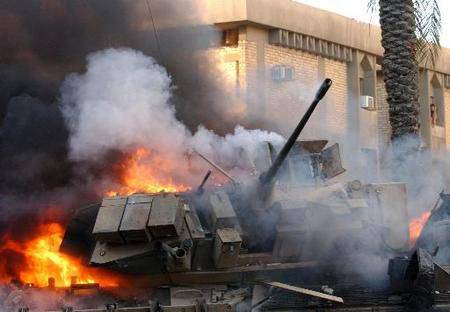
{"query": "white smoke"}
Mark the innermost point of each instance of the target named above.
(123, 101)
(120, 102)
(425, 172)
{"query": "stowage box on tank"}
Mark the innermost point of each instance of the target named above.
(106, 228)
(222, 214)
(226, 248)
(133, 226)
(166, 216)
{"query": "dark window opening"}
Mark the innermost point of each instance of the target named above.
(230, 37)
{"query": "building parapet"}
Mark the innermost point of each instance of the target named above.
(297, 41)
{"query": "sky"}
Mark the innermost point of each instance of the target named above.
(357, 9)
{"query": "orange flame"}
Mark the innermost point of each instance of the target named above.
(415, 227)
(43, 260)
(39, 259)
(143, 172)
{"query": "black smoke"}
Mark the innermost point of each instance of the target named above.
(33, 146)
(41, 42)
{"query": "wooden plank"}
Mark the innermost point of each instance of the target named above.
(306, 291)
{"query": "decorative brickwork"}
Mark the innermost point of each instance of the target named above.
(384, 128)
(297, 41)
(447, 116)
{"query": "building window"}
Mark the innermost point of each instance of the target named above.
(437, 111)
(447, 81)
(281, 73)
(433, 113)
(230, 37)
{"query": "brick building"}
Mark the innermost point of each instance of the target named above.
(277, 52)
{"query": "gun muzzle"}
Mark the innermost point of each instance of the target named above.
(326, 84)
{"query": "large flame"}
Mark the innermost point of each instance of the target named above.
(416, 225)
(144, 172)
(42, 260)
(39, 259)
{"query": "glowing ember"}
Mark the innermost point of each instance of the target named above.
(143, 172)
(416, 225)
(43, 260)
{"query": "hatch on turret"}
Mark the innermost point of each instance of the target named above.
(309, 162)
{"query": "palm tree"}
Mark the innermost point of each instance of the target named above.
(410, 32)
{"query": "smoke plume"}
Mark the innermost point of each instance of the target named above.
(124, 101)
(121, 102)
(43, 41)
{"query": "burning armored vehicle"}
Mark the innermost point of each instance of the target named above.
(277, 228)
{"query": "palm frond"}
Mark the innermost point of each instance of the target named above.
(428, 30)
(372, 6)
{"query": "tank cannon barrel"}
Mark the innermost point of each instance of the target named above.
(269, 175)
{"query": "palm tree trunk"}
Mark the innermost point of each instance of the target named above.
(400, 68)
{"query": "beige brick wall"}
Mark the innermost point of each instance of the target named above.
(287, 101)
(251, 74)
(447, 117)
(283, 103)
(232, 64)
(337, 98)
(384, 127)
